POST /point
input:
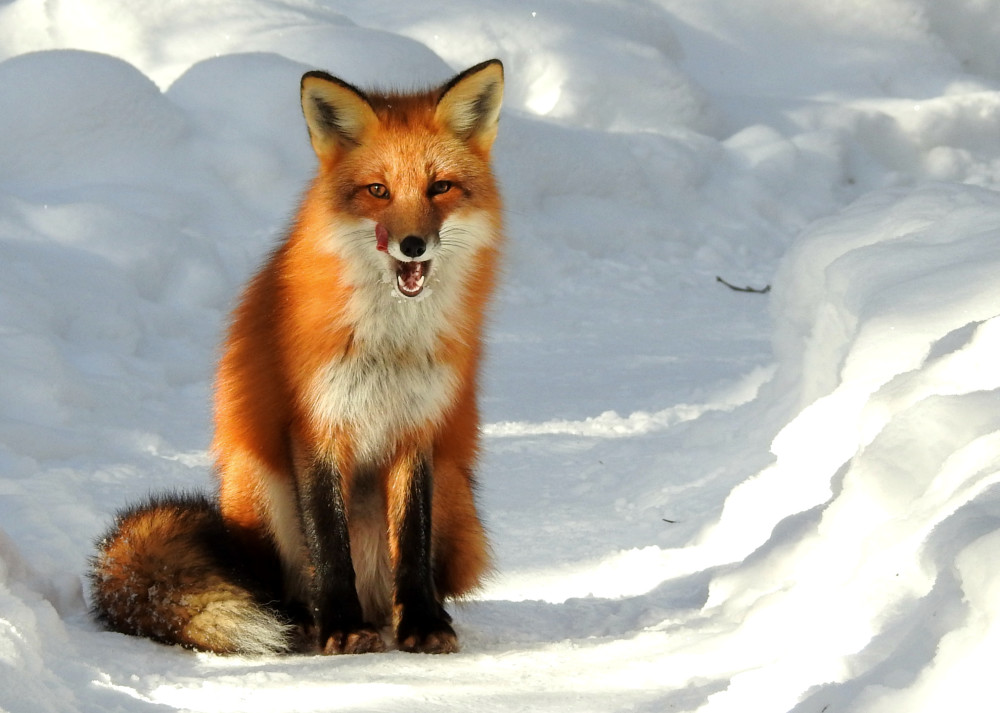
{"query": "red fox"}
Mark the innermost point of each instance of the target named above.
(346, 419)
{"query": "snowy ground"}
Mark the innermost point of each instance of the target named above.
(700, 499)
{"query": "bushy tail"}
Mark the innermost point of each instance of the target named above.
(169, 570)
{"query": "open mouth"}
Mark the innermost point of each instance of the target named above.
(411, 277)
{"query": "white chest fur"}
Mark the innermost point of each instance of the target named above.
(391, 381)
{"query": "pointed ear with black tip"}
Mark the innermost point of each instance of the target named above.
(338, 114)
(470, 104)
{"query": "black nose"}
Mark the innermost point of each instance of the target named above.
(412, 246)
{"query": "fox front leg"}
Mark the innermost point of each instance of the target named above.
(333, 596)
(422, 625)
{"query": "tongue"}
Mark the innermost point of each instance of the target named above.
(381, 238)
(410, 278)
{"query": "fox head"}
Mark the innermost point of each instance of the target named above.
(406, 177)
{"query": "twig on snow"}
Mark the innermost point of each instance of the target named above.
(755, 290)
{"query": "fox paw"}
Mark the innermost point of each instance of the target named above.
(365, 640)
(428, 636)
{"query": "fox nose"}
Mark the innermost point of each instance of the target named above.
(412, 246)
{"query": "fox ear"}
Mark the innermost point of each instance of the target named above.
(470, 103)
(338, 115)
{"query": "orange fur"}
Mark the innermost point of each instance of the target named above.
(360, 357)
(294, 321)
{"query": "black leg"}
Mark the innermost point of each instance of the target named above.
(422, 623)
(333, 598)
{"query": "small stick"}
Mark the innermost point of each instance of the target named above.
(755, 290)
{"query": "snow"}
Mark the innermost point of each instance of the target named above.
(700, 499)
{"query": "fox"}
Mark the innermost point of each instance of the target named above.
(346, 419)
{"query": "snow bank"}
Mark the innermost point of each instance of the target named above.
(883, 489)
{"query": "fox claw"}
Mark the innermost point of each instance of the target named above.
(360, 641)
(433, 637)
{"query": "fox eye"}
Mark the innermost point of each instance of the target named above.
(378, 190)
(439, 187)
